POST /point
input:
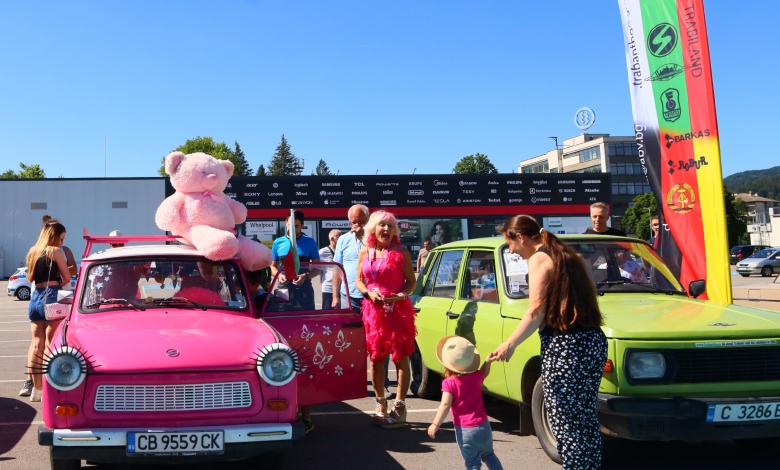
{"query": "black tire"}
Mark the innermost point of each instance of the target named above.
(425, 383)
(766, 271)
(63, 464)
(23, 293)
(542, 425)
(762, 447)
(744, 275)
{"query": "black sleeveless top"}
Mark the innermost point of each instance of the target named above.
(42, 272)
(550, 330)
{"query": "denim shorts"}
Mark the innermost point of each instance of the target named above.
(41, 296)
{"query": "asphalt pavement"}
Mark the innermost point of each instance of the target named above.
(343, 437)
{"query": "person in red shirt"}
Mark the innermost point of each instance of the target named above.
(462, 391)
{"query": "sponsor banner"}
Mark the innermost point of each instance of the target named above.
(668, 64)
(392, 191)
(262, 229)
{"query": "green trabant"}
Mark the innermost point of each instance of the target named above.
(678, 368)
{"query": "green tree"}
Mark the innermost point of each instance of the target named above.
(475, 164)
(260, 171)
(242, 166)
(284, 162)
(220, 151)
(637, 218)
(322, 169)
(736, 227)
(26, 172)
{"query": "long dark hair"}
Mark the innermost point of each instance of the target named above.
(571, 300)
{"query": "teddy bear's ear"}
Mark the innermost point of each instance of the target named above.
(172, 162)
(228, 167)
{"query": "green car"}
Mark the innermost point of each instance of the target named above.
(678, 368)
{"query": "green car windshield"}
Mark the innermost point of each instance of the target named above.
(612, 266)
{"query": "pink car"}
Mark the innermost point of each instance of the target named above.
(163, 357)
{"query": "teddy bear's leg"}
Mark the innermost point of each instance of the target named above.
(253, 255)
(215, 244)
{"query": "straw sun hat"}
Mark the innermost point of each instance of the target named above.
(457, 354)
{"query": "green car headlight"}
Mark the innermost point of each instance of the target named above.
(646, 365)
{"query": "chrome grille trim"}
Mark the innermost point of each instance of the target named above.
(174, 397)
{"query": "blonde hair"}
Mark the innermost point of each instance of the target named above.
(48, 240)
(374, 220)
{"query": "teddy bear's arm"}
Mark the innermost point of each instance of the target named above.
(167, 216)
(239, 210)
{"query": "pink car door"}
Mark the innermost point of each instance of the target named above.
(331, 343)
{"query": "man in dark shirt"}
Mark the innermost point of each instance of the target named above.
(655, 226)
(599, 214)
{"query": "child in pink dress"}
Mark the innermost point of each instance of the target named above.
(462, 391)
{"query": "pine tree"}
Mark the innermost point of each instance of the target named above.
(240, 163)
(284, 162)
(260, 171)
(322, 169)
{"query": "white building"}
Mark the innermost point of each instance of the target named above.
(763, 219)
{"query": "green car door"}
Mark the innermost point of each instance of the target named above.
(437, 295)
(475, 314)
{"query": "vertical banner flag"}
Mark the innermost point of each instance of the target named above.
(668, 61)
(292, 263)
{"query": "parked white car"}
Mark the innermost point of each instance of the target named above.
(18, 285)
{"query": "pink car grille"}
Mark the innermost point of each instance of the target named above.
(174, 397)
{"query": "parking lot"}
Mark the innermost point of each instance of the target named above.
(343, 437)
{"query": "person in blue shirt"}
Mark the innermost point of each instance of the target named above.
(301, 290)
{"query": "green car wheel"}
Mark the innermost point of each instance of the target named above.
(542, 425)
(425, 383)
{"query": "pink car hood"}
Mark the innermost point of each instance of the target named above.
(175, 340)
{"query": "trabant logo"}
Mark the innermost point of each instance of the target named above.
(722, 324)
(172, 352)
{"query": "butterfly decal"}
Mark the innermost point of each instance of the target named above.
(321, 356)
(340, 343)
(306, 334)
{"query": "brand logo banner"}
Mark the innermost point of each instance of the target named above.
(668, 64)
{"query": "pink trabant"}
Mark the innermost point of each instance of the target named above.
(166, 357)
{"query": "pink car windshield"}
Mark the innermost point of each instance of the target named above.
(153, 283)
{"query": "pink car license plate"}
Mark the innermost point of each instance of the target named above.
(176, 443)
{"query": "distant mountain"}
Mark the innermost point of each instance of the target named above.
(745, 177)
(764, 187)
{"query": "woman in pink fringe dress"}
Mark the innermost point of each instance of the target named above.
(385, 277)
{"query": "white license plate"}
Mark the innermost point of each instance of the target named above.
(173, 443)
(738, 412)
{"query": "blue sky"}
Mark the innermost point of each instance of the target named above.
(366, 86)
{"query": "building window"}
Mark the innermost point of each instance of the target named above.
(623, 149)
(590, 169)
(586, 155)
(630, 188)
(541, 167)
(626, 168)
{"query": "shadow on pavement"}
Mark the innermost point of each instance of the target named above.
(17, 417)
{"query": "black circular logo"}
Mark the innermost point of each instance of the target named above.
(662, 39)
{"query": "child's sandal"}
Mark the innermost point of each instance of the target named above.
(397, 417)
(380, 412)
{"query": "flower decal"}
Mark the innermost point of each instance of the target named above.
(326, 330)
(339, 371)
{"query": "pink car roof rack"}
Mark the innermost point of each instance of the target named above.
(107, 240)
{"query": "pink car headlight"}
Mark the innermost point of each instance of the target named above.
(277, 364)
(65, 368)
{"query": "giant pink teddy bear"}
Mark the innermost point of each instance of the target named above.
(202, 215)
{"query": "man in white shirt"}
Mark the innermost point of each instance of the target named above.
(326, 254)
